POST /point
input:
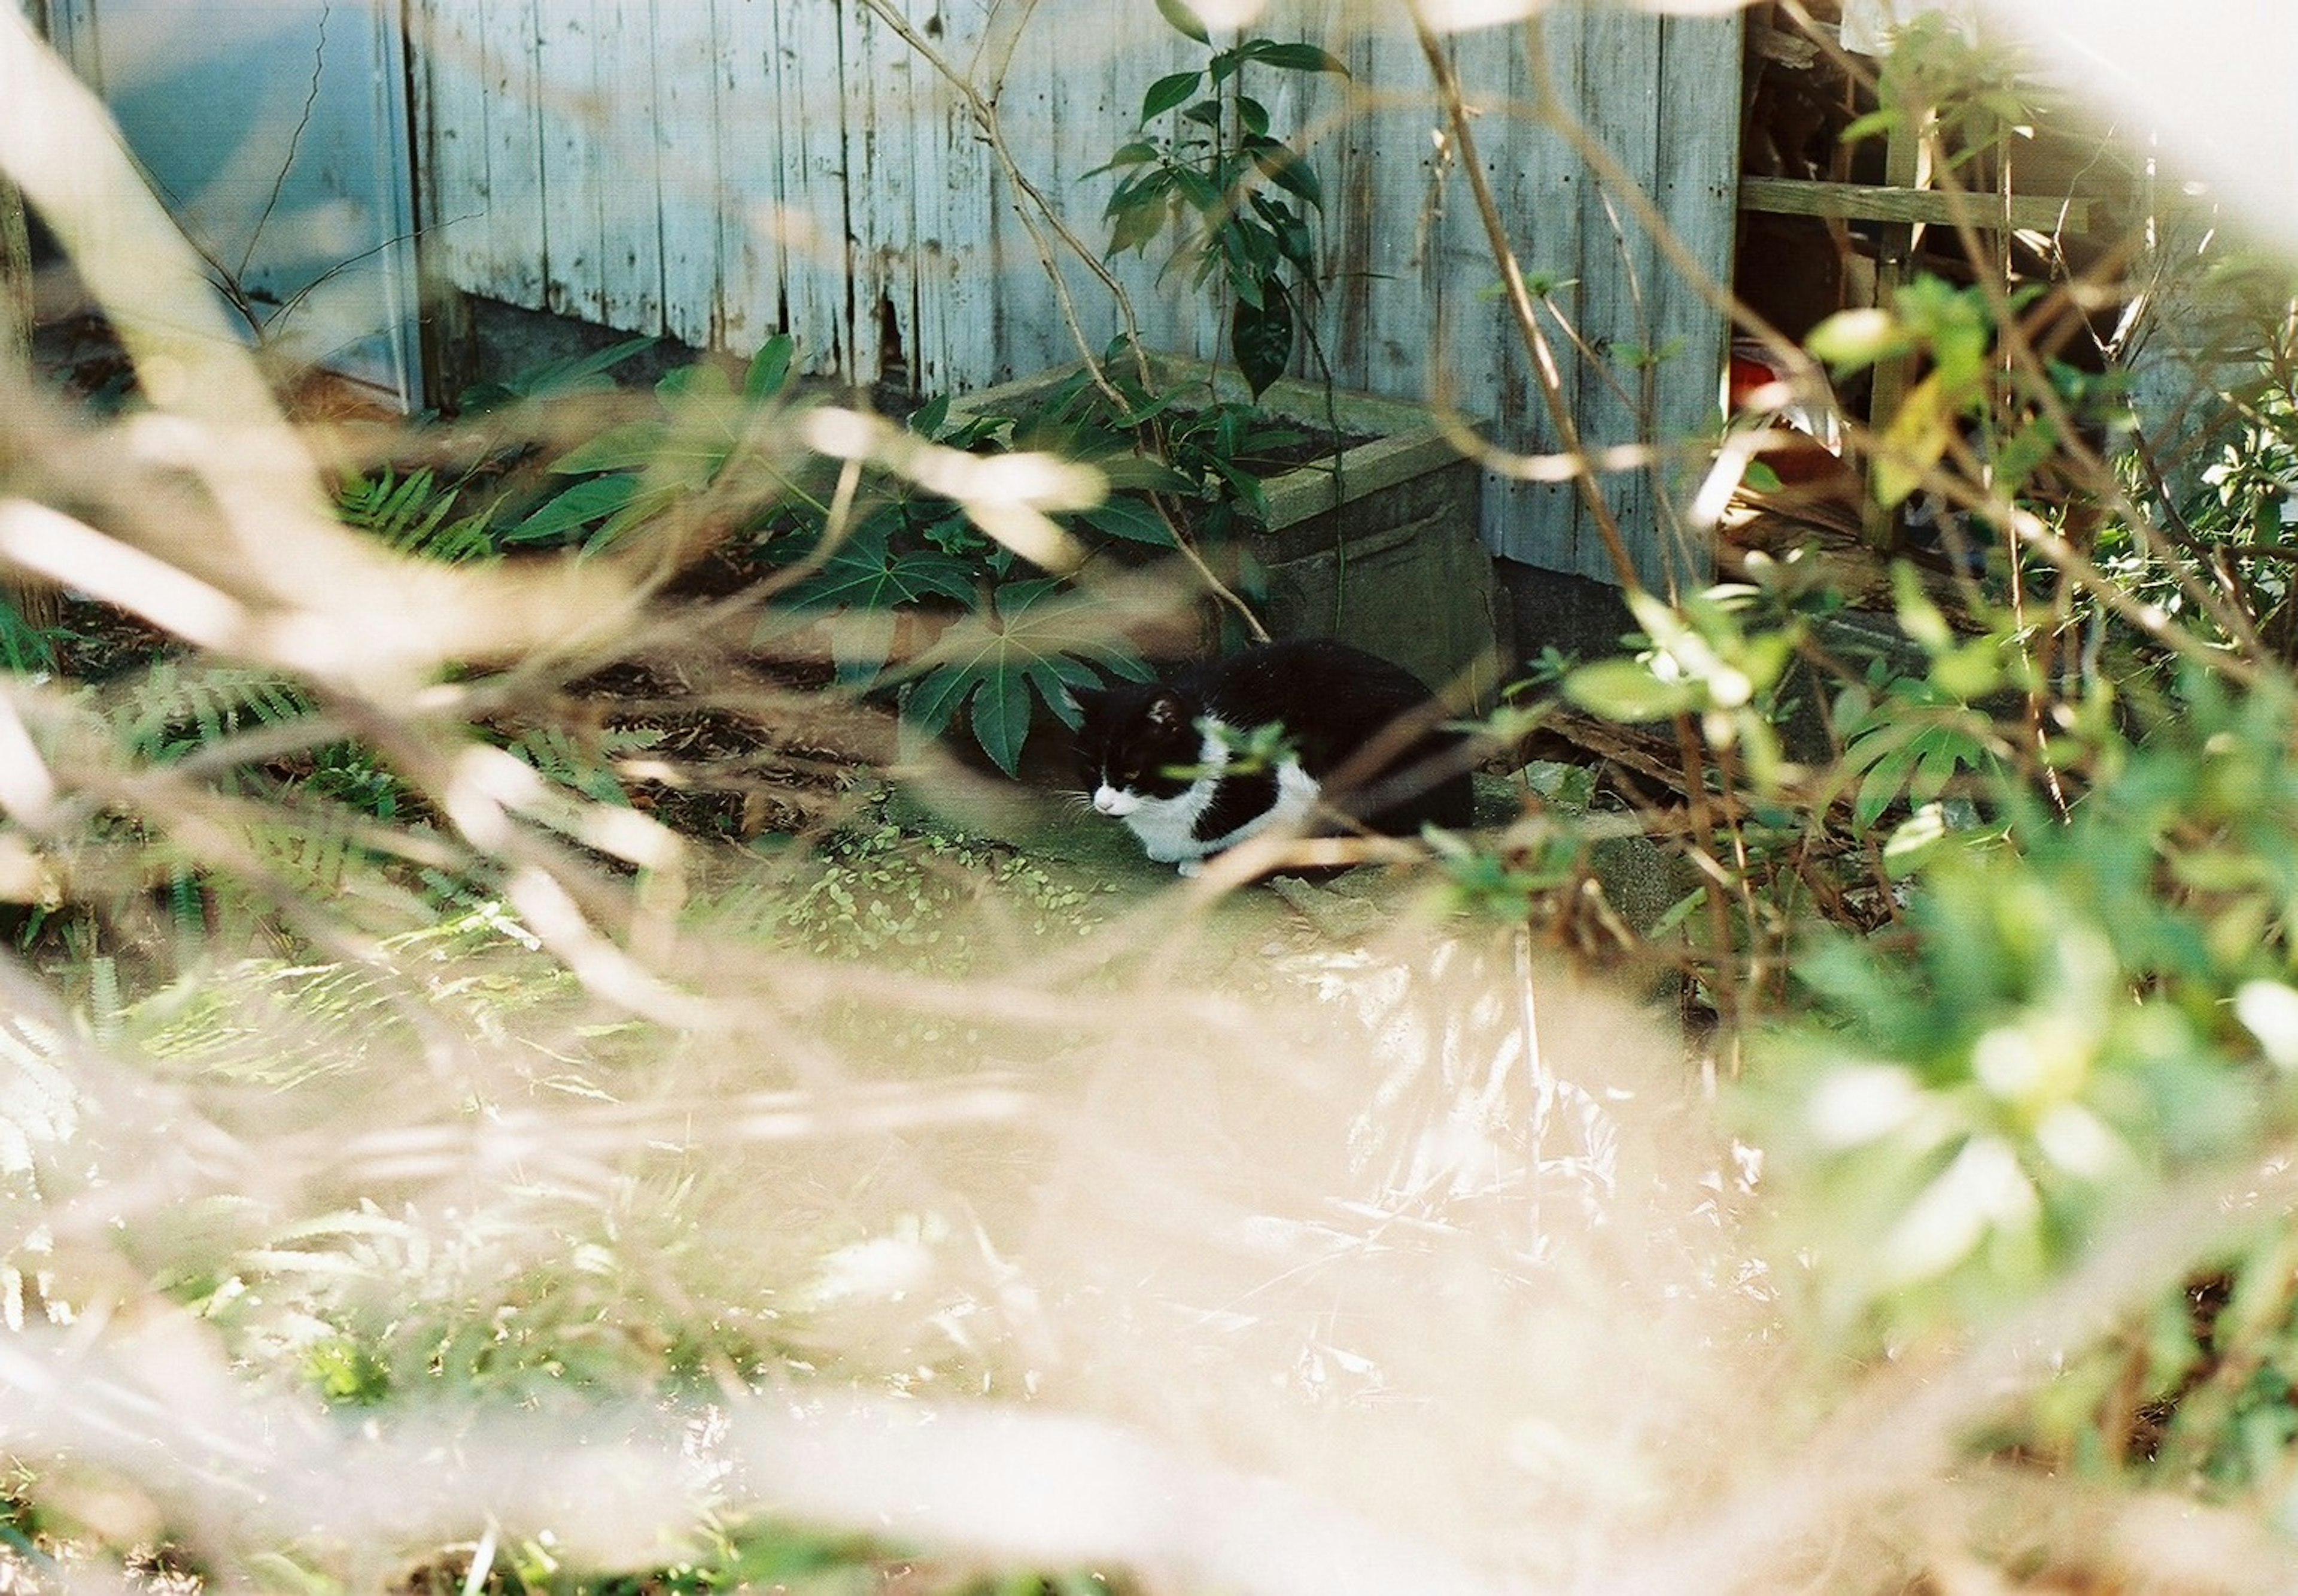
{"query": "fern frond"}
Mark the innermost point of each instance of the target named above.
(411, 516)
(170, 711)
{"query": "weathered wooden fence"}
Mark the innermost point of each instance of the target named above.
(722, 170)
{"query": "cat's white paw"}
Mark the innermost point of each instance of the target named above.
(1191, 869)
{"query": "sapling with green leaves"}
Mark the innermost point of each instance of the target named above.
(1238, 196)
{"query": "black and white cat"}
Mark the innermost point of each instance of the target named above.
(1162, 758)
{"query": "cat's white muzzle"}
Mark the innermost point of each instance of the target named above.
(1109, 800)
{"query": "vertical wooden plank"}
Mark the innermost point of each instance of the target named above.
(1698, 191)
(750, 154)
(1618, 94)
(1405, 202)
(1540, 185)
(630, 188)
(572, 124)
(516, 200)
(451, 187)
(1903, 168)
(1028, 333)
(801, 228)
(879, 128)
(686, 133)
(951, 327)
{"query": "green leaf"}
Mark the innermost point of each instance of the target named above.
(1875, 124)
(1886, 780)
(932, 704)
(930, 418)
(1295, 57)
(1129, 154)
(574, 374)
(1849, 340)
(1262, 339)
(1130, 520)
(1252, 115)
(704, 380)
(863, 573)
(1201, 195)
(1168, 92)
(1143, 474)
(1001, 717)
(861, 642)
(1017, 599)
(1184, 20)
(647, 503)
(1053, 684)
(1624, 690)
(1250, 285)
(1137, 225)
(628, 448)
(770, 368)
(1284, 167)
(578, 505)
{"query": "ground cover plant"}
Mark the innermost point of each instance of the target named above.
(498, 1090)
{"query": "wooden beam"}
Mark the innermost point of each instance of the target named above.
(1906, 167)
(1860, 202)
(15, 276)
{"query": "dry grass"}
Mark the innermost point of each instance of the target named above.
(1255, 1264)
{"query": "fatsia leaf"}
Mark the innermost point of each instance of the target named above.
(1001, 717)
(1017, 599)
(1885, 782)
(932, 702)
(1052, 686)
(860, 641)
(1039, 640)
(862, 573)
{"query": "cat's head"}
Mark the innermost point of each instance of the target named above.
(1131, 737)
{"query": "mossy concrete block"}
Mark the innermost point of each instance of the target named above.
(1378, 546)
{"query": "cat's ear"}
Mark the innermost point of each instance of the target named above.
(1166, 712)
(1086, 700)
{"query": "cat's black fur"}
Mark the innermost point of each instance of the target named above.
(1151, 761)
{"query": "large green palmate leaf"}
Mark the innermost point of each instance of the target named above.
(1031, 648)
(865, 572)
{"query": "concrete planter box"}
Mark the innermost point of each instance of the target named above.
(1379, 548)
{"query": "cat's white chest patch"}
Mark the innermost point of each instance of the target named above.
(1167, 827)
